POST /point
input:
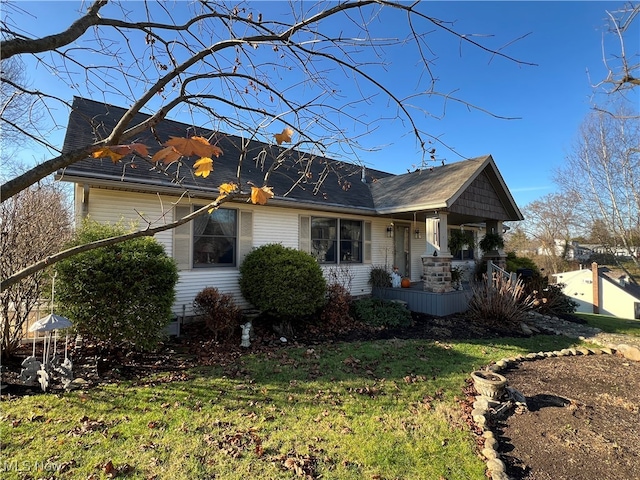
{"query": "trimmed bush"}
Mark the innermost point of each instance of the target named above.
(377, 312)
(282, 282)
(123, 292)
(379, 277)
(219, 312)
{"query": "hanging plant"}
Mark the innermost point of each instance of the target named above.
(458, 239)
(491, 241)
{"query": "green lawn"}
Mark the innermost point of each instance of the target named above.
(612, 324)
(374, 410)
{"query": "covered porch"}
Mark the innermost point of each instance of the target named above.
(418, 300)
(438, 219)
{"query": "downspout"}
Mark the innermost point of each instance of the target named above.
(595, 278)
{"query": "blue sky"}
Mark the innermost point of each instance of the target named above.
(550, 99)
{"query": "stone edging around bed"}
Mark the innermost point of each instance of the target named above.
(485, 408)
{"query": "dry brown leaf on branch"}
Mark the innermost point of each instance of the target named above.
(167, 155)
(116, 152)
(193, 146)
(260, 196)
(285, 136)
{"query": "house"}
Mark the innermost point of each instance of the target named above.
(355, 219)
(569, 251)
(602, 290)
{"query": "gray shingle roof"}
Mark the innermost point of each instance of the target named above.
(382, 193)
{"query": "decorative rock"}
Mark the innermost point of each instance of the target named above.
(489, 453)
(495, 465)
(595, 351)
(607, 350)
(629, 352)
(573, 351)
(499, 476)
(491, 443)
(583, 351)
(484, 403)
(502, 363)
(525, 329)
(530, 356)
(488, 434)
(565, 351)
(478, 412)
(549, 354)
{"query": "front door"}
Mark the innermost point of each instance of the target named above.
(401, 253)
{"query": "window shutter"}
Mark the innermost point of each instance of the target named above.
(182, 239)
(367, 242)
(304, 236)
(245, 235)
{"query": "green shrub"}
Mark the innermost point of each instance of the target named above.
(282, 282)
(219, 312)
(515, 263)
(549, 299)
(123, 292)
(500, 303)
(381, 313)
(379, 277)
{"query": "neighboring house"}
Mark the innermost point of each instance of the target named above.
(617, 251)
(357, 218)
(572, 251)
(601, 290)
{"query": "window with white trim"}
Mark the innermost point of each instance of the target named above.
(336, 240)
(215, 238)
(219, 239)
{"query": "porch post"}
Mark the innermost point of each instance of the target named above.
(431, 235)
(443, 234)
(436, 263)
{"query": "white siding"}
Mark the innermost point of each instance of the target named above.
(270, 225)
(614, 300)
(130, 208)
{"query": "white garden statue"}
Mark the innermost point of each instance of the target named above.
(246, 332)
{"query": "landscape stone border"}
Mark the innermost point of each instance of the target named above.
(486, 409)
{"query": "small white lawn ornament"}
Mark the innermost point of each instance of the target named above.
(246, 332)
(29, 373)
(396, 278)
(42, 371)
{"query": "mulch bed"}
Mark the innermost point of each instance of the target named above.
(584, 421)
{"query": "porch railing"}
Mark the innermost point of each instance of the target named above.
(494, 270)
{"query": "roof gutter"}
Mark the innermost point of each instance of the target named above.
(142, 186)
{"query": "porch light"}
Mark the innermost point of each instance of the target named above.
(416, 230)
(389, 231)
